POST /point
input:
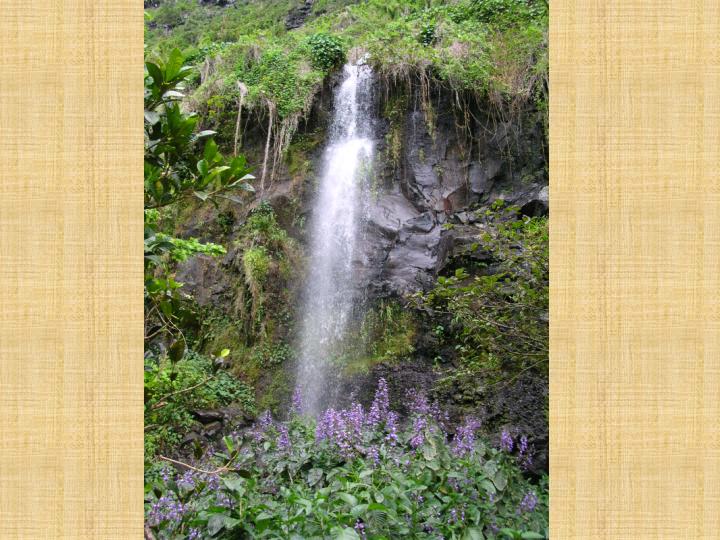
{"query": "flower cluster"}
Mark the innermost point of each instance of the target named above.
(380, 405)
(506, 441)
(464, 441)
(524, 452)
(167, 508)
(528, 503)
(296, 406)
(375, 449)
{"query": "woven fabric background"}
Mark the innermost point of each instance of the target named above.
(635, 253)
(71, 145)
(635, 269)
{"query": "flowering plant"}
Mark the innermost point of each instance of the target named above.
(352, 474)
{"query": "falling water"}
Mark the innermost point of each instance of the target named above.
(335, 229)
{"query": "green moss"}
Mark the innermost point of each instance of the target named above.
(385, 335)
(256, 264)
(277, 391)
(493, 49)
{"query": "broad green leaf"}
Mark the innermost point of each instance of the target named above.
(173, 65)
(350, 499)
(473, 533)
(345, 533)
(491, 468)
(500, 480)
(155, 72)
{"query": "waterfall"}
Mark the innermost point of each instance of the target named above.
(335, 226)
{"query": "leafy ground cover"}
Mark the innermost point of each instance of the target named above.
(352, 474)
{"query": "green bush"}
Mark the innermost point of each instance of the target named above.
(326, 51)
(174, 389)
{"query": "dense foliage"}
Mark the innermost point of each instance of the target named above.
(176, 382)
(499, 318)
(174, 170)
(173, 390)
(492, 50)
(353, 474)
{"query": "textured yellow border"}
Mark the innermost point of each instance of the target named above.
(635, 269)
(635, 135)
(71, 278)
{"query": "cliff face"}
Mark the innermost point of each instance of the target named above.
(435, 171)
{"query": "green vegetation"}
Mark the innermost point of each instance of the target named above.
(354, 474)
(224, 79)
(491, 50)
(173, 389)
(499, 320)
(386, 335)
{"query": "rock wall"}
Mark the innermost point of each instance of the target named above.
(427, 176)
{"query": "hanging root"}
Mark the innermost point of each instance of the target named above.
(271, 119)
(243, 92)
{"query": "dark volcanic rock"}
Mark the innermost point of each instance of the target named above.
(296, 17)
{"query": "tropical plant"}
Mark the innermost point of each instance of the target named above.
(353, 474)
(174, 170)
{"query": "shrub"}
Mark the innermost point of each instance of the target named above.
(326, 51)
(174, 389)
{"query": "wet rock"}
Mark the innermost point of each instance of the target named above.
(296, 17)
(213, 429)
(205, 416)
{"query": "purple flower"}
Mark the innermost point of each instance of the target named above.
(194, 534)
(506, 441)
(374, 454)
(391, 425)
(528, 503)
(167, 508)
(355, 418)
(360, 528)
(296, 407)
(261, 426)
(187, 480)
(224, 500)
(523, 445)
(380, 405)
(464, 441)
(283, 440)
(419, 425)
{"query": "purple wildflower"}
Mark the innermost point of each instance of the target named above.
(261, 426)
(523, 445)
(224, 500)
(187, 480)
(296, 407)
(283, 440)
(524, 453)
(194, 534)
(380, 405)
(506, 441)
(464, 442)
(419, 425)
(391, 424)
(355, 418)
(360, 529)
(167, 508)
(374, 454)
(528, 503)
